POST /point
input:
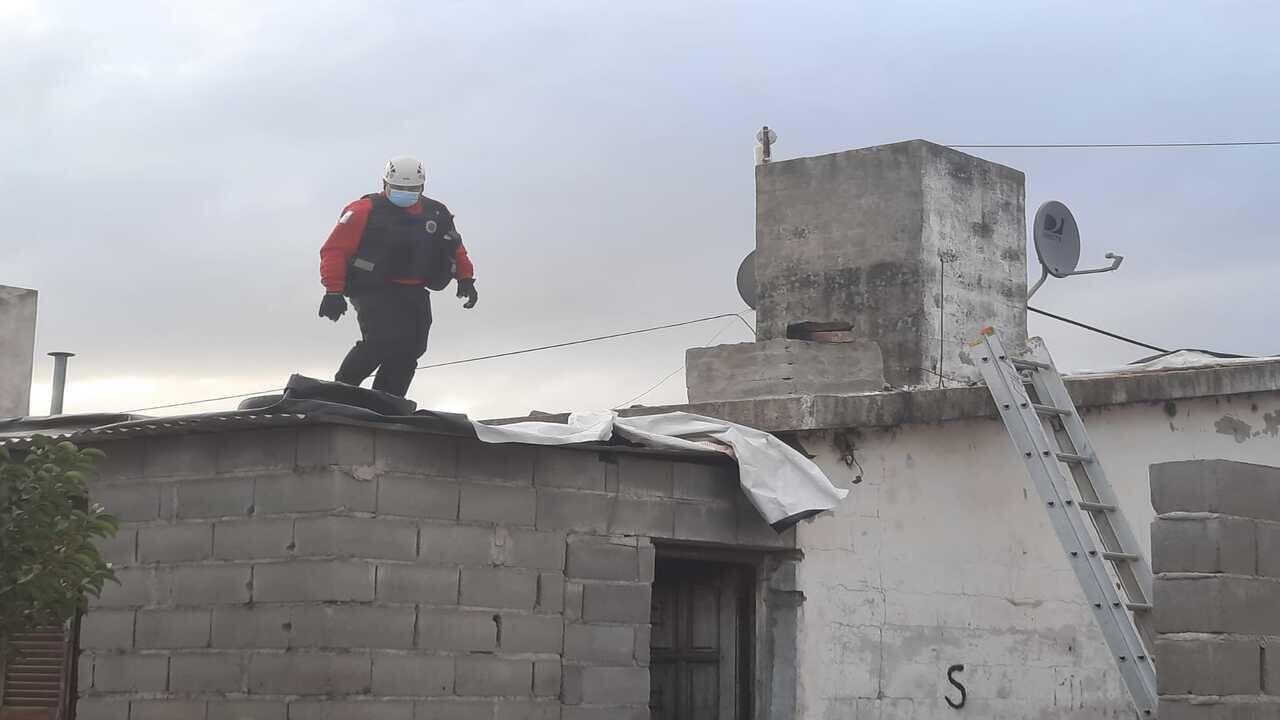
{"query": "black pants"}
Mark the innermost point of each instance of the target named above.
(394, 323)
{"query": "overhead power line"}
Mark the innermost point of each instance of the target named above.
(511, 353)
(1080, 146)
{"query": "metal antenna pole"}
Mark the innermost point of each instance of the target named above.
(59, 380)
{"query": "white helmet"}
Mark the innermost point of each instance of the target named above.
(404, 171)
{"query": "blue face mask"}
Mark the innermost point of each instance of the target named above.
(402, 198)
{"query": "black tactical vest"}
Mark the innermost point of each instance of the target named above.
(399, 246)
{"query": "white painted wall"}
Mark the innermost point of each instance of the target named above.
(943, 555)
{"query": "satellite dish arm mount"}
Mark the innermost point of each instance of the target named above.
(1044, 271)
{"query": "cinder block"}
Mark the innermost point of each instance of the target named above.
(644, 636)
(455, 544)
(314, 581)
(559, 467)
(647, 555)
(370, 709)
(481, 676)
(536, 550)
(248, 710)
(220, 497)
(615, 685)
(379, 538)
(401, 674)
(502, 504)
(175, 543)
(211, 584)
(489, 462)
(574, 510)
(1217, 545)
(417, 453)
(417, 584)
(607, 712)
(571, 684)
(696, 481)
(546, 678)
(255, 539)
(1217, 604)
(334, 445)
(167, 710)
(255, 626)
(172, 628)
(1271, 666)
(628, 603)
(352, 626)
(1205, 666)
(573, 601)
(649, 517)
(304, 673)
(602, 644)
(641, 476)
(121, 549)
(754, 531)
(454, 709)
(102, 708)
(106, 630)
(313, 490)
(180, 455)
(258, 449)
(131, 673)
(464, 630)
(207, 672)
(550, 592)
(135, 586)
(528, 710)
(499, 588)
(595, 558)
(532, 633)
(122, 463)
(1268, 540)
(1219, 486)
(129, 503)
(418, 496)
(707, 522)
(84, 672)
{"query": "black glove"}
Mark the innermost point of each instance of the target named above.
(333, 306)
(467, 289)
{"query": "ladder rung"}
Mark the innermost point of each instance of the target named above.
(1095, 507)
(1138, 607)
(1072, 457)
(1049, 410)
(1028, 364)
(1118, 556)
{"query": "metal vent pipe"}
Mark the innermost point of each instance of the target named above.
(59, 380)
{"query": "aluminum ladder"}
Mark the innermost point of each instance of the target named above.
(1088, 522)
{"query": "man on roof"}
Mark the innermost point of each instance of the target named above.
(387, 250)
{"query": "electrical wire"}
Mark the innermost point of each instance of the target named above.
(672, 374)
(1079, 146)
(1100, 331)
(481, 357)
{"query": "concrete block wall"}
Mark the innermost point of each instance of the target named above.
(335, 572)
(1216, 554)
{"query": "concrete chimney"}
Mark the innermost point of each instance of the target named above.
(17, 349)
(875, 266)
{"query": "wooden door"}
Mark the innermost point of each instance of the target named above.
(701, 630)
(37, 678)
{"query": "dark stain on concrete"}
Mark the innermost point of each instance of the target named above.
(1272, 423)
(1171, 409)
(1235, 427)
(982, 229)
(1010, 254)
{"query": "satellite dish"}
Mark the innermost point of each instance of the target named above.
(1057, 239)
(747, 286)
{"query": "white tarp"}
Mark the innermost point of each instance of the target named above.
(782, 484)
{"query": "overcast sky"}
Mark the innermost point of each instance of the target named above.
(168, 172)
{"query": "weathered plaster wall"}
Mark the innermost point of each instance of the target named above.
(330, 572)
(17, 343)
(1217, 589)
(942, 556)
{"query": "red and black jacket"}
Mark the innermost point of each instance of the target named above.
(376, 242)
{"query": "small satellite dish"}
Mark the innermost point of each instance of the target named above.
(765, 131)
(747, 286)
(765, 138)
(1057, 239)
